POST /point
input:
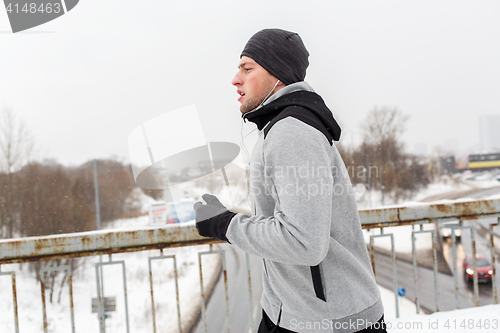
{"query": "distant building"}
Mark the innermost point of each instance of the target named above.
(461, 161)
(489, 131)
(484, 161)
(448, 164)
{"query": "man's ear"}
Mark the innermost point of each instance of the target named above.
(279, 85)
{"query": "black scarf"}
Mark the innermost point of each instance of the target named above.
(319, 115)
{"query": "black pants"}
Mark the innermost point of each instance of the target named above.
(267, 326)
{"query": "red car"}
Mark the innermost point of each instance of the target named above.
(484, 269)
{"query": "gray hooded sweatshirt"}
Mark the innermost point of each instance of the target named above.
(317, 275)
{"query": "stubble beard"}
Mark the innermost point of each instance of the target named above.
(255, 101)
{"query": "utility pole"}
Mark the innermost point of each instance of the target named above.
(382, 182)
(96, 187)
(98, 219)
(368, 180)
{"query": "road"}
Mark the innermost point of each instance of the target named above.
(240, 309)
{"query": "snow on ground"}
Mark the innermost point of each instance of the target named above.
(144, 201)
(138, 291)
(374, 199)
(402, 238)
(444, 185)
(496, 196)
(481, 179)
(471, 320)
(459, 182)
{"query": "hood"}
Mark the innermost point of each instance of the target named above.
(483, 269)
(308, 100)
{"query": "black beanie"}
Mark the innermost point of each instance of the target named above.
(282, 53)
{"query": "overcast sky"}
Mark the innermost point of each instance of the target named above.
(84, 81)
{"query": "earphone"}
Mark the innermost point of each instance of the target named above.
(246, 159)
(242, 142)
(265, 99)
(277, 82)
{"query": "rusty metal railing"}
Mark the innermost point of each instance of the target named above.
(110, 242)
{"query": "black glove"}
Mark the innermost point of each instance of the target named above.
(212, 219)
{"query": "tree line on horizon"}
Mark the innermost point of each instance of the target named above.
(45, 197)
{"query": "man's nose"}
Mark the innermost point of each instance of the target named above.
(236, 80)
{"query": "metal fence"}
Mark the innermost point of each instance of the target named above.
(108, 242)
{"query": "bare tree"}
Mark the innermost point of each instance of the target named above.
(16, 147)
(389, 168)
(16, 143)
(384, 124)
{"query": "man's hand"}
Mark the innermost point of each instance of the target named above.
(212, 219)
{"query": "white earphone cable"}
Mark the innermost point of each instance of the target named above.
(244, 148)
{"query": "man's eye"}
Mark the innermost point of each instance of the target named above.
(247, 69)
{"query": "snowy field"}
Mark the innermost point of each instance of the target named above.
(459, 182)
(402, 239)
